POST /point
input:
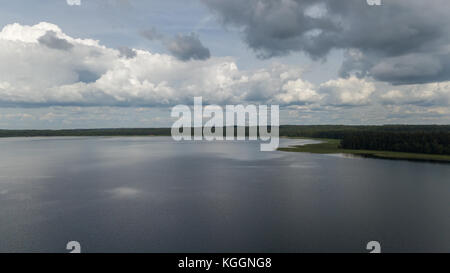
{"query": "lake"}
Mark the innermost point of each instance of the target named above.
(150, 194)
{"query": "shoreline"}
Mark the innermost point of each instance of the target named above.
(331, 146)
(325, 146)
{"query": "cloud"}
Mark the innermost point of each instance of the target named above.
(127, 52)
(86, 76)
(52, 41)
(413, 68)
(152, 34)
(347, 92)
(188, 47)
(386, 37)
(34, 74)
(184, 47)
(73, 2)
(425, 95)
(297, 92)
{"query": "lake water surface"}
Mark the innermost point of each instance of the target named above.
(150, 194)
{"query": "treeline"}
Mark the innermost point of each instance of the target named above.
(87, 132)
(313, 131)
(430, 139)
(341, 131)
(408, 142)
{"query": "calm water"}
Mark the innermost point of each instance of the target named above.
(155, 195)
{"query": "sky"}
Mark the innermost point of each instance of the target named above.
(126, 63)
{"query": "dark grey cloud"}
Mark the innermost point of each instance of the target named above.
(87, 76)
(50, 40)
(187, 47)
(356, 63)
(127, 52)
(413, 68)
(152, 34)
(384, 35)
(183, 47)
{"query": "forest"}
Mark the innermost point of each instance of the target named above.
(409, 142)
(426, 139)
(430, 139)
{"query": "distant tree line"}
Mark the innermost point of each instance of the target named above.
(409, 142)
(313, 131)
(431, 139)
(87, 132)
(341, 131)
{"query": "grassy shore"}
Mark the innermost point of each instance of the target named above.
(331, 146)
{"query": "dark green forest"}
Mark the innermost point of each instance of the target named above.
(409, 142)
(87, 132)
(430, 139)
(427, 139)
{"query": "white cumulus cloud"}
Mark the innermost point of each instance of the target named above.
(350, 92)
(73, 2)
(41, 66)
